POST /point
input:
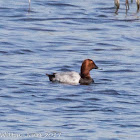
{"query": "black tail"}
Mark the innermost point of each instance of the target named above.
(51, 76)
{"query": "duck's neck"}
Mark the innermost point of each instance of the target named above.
(85, 73)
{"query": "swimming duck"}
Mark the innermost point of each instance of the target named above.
(75, 78)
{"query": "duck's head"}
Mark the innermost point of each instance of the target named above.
(86, 67)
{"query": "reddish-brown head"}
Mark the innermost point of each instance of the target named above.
(86, 67)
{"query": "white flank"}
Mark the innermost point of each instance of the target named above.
(68, 77)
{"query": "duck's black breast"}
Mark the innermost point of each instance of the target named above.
(86, 81)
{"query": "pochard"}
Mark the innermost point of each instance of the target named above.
(73, 77)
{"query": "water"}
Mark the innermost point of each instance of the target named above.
(57, 36)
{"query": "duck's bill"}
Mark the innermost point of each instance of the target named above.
(96, 67)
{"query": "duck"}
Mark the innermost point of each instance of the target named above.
(74, 78)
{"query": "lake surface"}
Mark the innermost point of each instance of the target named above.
(57, 36)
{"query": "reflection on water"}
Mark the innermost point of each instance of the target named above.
(57, 36)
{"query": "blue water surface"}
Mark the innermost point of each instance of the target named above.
(58, 35)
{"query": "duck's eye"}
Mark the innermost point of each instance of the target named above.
(91, 61)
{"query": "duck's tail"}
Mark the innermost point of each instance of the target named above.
(51, 76)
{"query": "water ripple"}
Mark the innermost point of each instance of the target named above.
(56, 36)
